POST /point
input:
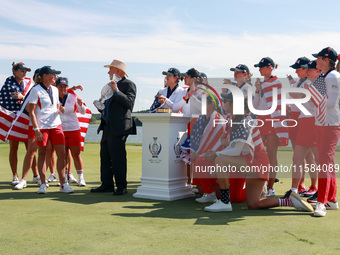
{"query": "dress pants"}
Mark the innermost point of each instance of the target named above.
(113, 159)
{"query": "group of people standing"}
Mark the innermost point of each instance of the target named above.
(51, 109)
(313, 136)
(53, 124)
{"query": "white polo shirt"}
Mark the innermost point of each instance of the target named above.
(46, 111)
(69, 119)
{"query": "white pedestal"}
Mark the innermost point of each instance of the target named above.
(163, 173)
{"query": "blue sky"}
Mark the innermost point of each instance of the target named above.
(80, 37)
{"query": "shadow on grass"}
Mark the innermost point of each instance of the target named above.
(178, 209)
(188, 209)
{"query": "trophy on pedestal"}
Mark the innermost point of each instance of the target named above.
(106, 93)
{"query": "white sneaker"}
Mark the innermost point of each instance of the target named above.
(15, 180)
(36, 179)
(82, 182)
(332, 205)
(22, 184)
(219, 206)
(72, 179)
(299, 204)
(46, 183)
(270, 192)
(65, 188)
(42, 189)
(206, 198)
(52, 178)
(320, 210)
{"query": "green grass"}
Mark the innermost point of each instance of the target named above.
(85, 223)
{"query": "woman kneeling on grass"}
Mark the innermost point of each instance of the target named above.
(246, 151)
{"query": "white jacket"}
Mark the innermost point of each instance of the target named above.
(333, 96)
(69, 119)
(173, 99)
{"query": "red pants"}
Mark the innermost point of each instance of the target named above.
(327, 138)
(207, 181)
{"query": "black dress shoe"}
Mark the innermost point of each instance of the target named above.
(103, 189)
(119, 192)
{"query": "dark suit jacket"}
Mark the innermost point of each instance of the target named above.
(120, 109)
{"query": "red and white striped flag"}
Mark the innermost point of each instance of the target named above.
(18, 129)
(84, 122)
(203, 139)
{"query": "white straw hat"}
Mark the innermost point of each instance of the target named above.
(118, 64)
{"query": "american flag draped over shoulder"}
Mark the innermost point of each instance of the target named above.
(248, 134)
(204, 138)
(18, 129)
(319, 98)
(10, 86)
(13, 121)
(280, 130)
(84, 120)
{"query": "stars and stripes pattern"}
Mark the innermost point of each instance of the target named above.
(280, 130)
(10, 86)
(319, 98)
(248, 134)
(202, 138)
(155, 105)
(19, 128)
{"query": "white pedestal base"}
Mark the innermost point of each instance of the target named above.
(163, 173)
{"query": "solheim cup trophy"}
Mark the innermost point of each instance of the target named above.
(106, 93)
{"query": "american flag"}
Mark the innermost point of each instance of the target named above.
(84, 121)
(248, 134)
(155, 105)
(13, 121)
(203, 138)
(19, 128)
(10, 86)
(280, 130)
(319, 98)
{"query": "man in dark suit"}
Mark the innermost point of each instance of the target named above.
(116, 123)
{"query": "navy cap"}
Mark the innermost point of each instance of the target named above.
(191, 72)
(172, 71)
(267, 61)
(328, 53)
(310, 65)
(61, 81)
(241, 68)
(227, 96)
(204, 76)
(299, 62)
(21, 66)
(47, 70)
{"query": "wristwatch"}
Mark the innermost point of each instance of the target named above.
(36, 129)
